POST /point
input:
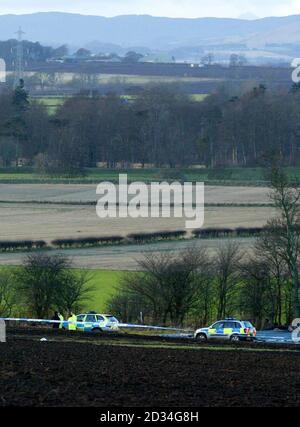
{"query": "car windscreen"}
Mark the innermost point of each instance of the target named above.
(248, 325)
(112, 319)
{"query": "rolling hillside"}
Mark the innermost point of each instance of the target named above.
(151, 32)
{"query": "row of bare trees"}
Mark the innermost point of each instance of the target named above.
(194, 285)
(188, 287)
(160, 126)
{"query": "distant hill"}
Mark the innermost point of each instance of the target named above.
(151, 32)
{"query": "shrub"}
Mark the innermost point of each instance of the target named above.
(248, 231)
(213, 233)
(157, 235)
(13, 245)
(87, 241)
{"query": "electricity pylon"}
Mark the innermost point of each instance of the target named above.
(19, 59)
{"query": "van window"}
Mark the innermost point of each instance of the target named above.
(112, 319)
(248, 325)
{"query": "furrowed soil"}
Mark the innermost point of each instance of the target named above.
(85, 370)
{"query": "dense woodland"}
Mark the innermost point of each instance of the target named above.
(161, 126)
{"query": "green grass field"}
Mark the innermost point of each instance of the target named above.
(199, 97)
(105, 284)
(234, 176)
(52, 103)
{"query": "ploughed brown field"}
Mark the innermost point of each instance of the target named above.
(85, 370)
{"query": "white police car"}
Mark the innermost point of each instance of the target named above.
(229, 329)
(93, 322)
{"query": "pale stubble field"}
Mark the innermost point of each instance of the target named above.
(49, 222)
(36, 221)
(57, 220)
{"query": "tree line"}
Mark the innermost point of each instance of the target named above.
(193, 287)
(161, 126)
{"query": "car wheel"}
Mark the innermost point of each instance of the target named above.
(201, 338)
(235, 338)
(97, 331)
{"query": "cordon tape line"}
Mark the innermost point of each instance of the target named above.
(66, 322)
(161, 328)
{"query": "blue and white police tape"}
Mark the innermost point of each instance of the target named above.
(41, 321)
(82, 324)
(159, 328)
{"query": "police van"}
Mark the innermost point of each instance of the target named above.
(229, 329)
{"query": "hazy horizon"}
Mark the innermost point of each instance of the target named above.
(167, 8)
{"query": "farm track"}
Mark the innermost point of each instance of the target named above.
(123, 371)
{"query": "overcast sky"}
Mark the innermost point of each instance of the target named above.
(173, 8)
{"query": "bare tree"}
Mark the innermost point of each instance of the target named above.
(227, 262)
(128, 307)
(8, 294)
(254, 290)
(266, 250)
(185, 282)
(203, 311)
(74, 291)
(47, 282)
(285, 228)
(169, 286)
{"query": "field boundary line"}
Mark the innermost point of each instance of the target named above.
(94, 203)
